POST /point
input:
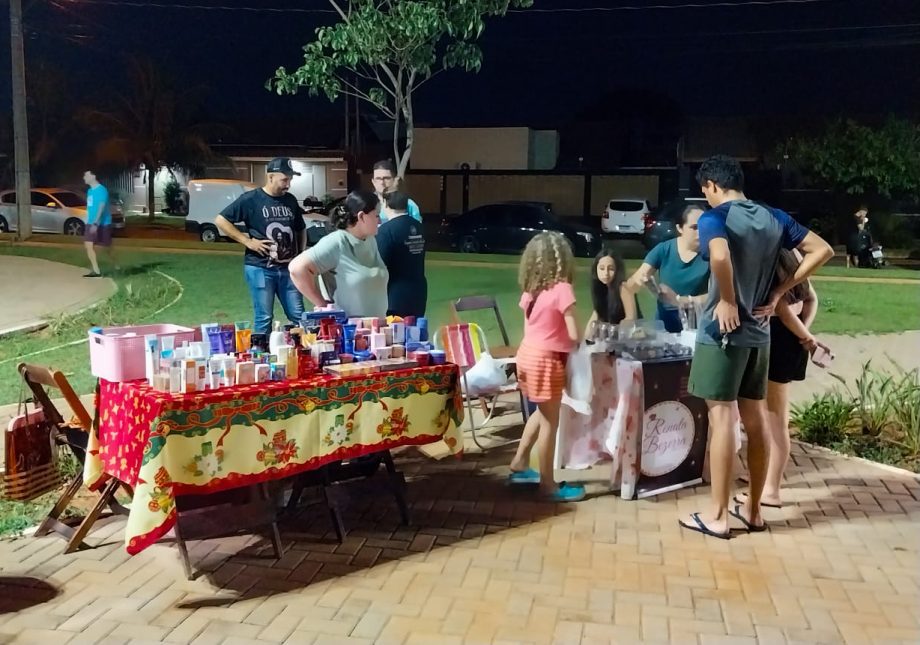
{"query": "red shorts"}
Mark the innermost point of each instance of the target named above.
(541, 373)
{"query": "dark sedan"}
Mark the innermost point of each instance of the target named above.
(509, 226)
(662, 224)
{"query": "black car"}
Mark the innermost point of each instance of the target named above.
(662, 224)
(317, 218)
(509, 226)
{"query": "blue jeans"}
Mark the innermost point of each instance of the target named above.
(264, 285)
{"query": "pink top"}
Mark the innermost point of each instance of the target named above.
(545, 327)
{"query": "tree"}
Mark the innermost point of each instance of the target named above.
(49, 113)
(152, 124)
(863, 160)
(383, 51)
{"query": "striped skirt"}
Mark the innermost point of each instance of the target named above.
(541, 373)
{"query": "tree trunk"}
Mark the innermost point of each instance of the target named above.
(410, 138)
(151, 191)
(397, 155)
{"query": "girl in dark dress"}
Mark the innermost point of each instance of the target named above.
(791, 344)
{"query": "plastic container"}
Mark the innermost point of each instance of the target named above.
(117, 356)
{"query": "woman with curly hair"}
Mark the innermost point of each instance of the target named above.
(550, 335)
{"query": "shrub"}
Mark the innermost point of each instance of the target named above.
(824, 420)
(172, 196)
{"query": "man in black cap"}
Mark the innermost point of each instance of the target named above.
(274, 233)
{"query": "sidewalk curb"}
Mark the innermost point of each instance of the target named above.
(894, 470)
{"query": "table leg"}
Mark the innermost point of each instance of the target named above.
(276, 534)
(333, 503)
(397, 485)
(183, 550)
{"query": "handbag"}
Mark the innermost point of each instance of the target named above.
(30, 455)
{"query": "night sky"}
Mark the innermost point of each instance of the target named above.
(541, 68)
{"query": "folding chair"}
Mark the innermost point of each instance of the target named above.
(504, 351)
(74, 435)
(463, 344)
(483, 303)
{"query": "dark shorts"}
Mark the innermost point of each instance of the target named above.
(101, 235)
(788, 359)
(729, 374)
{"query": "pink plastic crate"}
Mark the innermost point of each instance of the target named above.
(117, 357)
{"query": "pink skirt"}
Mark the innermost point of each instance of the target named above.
(541, 373)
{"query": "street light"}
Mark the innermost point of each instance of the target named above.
(20, 124)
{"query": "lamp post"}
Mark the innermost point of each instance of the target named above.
(20, 124)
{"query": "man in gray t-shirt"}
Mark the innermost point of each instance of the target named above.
(741, 240)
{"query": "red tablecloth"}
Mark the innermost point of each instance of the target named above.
(170, 444)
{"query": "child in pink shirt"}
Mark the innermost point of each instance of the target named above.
(550, 335)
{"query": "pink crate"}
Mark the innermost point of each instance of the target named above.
(117, 357)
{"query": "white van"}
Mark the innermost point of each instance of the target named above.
(206, 199)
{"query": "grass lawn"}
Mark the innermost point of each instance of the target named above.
(159, 221)
(214, 291)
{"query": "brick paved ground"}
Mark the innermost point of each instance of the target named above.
(486, 564)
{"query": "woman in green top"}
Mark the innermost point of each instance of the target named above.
(682, 272)
(351, 253)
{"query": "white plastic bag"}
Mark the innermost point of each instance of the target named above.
(579, 378)
(486, 376)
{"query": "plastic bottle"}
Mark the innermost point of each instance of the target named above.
(276, 339)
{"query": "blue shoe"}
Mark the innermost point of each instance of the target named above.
(567, 493)
(529, 476)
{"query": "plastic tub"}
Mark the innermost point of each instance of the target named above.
(117, 353)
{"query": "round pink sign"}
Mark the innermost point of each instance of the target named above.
(667, 437)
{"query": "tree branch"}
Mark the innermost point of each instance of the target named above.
(339, 9)
(374, 79)
(354, 90)
(412, 88)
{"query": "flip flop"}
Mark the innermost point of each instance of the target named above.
(529, 476)
(753, 528)
(702, 528)
(567, 493)
(764, 504)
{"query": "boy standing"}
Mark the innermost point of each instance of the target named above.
(742, 241)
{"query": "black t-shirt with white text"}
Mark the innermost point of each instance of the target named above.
(278, 219)
(401, 243)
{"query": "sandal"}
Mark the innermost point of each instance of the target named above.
(700, 527)
(567, 493)
(529, 476)
(764, 504)
(753, 528)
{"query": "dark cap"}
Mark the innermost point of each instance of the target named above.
(283, 165)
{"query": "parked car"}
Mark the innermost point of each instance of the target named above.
(625, 216)
(507, 227)
(206, 199)
(317, 218)
(54, 210)
(662, 224)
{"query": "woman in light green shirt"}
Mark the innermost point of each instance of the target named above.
(351, 253)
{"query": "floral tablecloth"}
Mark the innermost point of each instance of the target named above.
(651, 450)
(612, 428)
(171, 444)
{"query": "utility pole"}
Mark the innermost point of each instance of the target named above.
(20, 124)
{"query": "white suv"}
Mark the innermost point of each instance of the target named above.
(625, 216)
